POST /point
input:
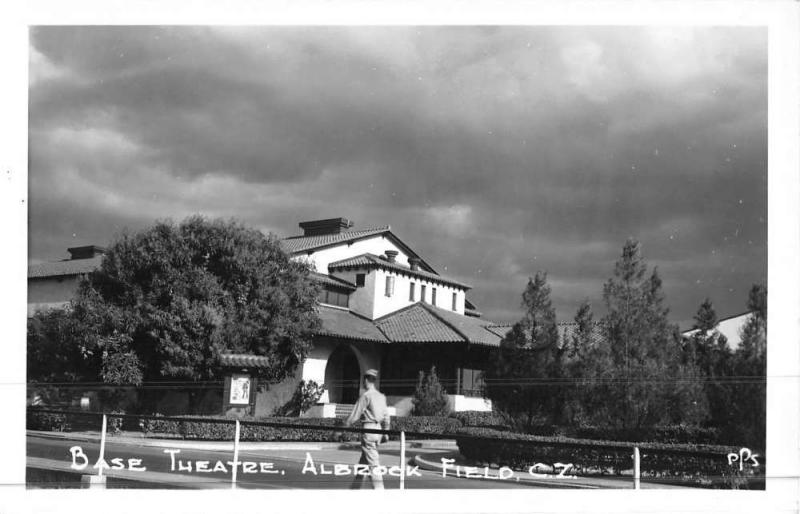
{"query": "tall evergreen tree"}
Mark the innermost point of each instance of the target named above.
(578, 352)
(522, 378)
(639, 372)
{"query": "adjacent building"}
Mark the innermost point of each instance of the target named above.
(730, 327)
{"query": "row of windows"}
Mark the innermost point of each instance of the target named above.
(412, 292)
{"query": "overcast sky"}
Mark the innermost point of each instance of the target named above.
(493, 152)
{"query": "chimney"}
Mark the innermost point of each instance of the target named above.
(413, 262)
(325, 227)
(85, 252)
(391, 254)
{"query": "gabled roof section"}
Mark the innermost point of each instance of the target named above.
(474, 330)
(346, 324)
(369, 260)
(308, 244)
(64, 268)
(416, 324)
(424, 323)
(298, 244)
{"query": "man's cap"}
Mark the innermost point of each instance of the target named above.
(371, 373)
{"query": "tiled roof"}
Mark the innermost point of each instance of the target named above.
(238, 360)
(332, 281)
(297, 244)
(500, 330)
(424, 323)
(343, 323)
(566, 329)
(416, 324)
(472, 329)
(372, 260)
(64, 268)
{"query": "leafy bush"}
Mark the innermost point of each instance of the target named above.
(698, 464)
(48, 422)
(305, 396)
(430, 398)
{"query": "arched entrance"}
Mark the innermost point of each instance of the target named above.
(343, 375)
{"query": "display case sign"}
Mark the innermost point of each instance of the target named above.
(241, 388)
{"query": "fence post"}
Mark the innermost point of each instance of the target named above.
(636, 468)
(402, 460)
(235, 456)
(98, 481)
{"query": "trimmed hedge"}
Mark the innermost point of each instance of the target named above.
(698, 464)
(426, 424)
(486, 419)
(51, 422)
(198, 430)
(219, 431)
(675, 434)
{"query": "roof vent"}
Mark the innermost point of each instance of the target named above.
(413, 262)
(391, 255)
(325, 227)
(85, 252)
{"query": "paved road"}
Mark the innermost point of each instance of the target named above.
(270, 469)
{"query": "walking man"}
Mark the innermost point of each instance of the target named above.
(371, 412)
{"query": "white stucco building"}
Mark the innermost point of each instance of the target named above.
(384, 307)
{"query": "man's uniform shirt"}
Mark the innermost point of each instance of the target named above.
(370, 408)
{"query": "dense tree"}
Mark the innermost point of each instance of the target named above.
(168, 300)
(578, 352)
(640, 379)
(708, 349)
(750, 368)
(523, 378)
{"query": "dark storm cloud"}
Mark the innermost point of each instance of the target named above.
(495, 152)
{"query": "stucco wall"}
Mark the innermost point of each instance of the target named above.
(362, 300)
(275, 395)
(383, 304)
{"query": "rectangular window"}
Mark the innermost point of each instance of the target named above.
(411, 291)
(422, 292)
(360, 278)
(389, 286)
(472, 382)
(454, 301)
(433, 295)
